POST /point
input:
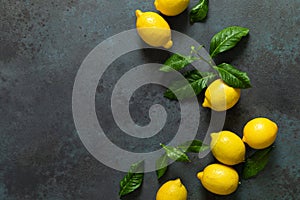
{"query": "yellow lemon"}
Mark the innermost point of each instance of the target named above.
(153, 29)
(259, 133)
(172, 190)
(171, 7)
(227, 147)
(220, 97)
(219, 179)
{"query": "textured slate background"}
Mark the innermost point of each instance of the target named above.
(42, 46)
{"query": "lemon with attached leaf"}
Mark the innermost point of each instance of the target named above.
(153, 29)
(219, 179)
(220, 97)
(172, 190)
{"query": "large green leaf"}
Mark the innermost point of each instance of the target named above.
(256, 163)
(232, 76)
(226, 39)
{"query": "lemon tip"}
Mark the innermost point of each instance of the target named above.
(244, 139)
(205, 103)
(213, 135)
(177, 181)
(156, 4)
(200, 175)
(138, 13)
(169, 44)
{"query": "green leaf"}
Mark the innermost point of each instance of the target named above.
(175, 153)
(232, 76)
(197, 80)
(161, 165)
(256, 163)
(226, 39)
(194, 75)
(199, 11)
(133, 179)
(194, 146)
(177, 62)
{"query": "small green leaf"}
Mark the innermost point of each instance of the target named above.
(194, 146)
(197, 81)
(256, 163)
(232, 76)
(161, 165)
(133, 179)
(175, 154)
(199, 11)
(177, 62)
(226, 39)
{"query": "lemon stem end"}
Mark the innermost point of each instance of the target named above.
(200, 175)
(138, 13)
(168, 45)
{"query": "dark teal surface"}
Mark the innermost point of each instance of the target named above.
(42, 46)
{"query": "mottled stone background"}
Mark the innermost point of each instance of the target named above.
(42, 46)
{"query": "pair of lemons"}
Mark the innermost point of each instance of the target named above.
(154, 29)
(217, 178)
(229, 149)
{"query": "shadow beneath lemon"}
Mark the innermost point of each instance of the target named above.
(179, 22)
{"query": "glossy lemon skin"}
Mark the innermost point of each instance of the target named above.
(220, 97)
(153, 29)
(260, 133)
(227, 147)
(219, 179)
(171, 7)
(172, 190)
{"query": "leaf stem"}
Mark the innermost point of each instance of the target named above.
(209, 62)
